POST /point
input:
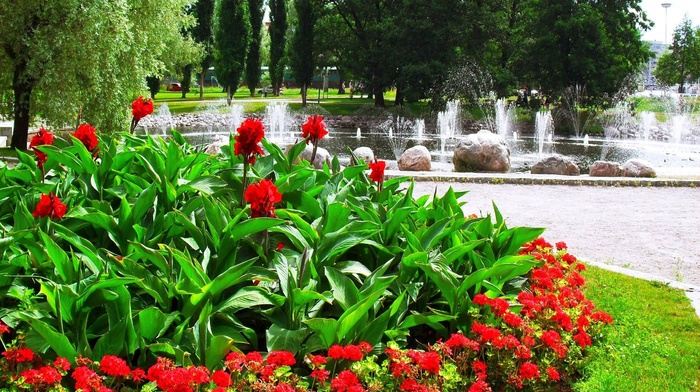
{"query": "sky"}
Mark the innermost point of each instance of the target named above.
(678, 9)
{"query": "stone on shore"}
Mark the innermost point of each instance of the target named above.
(556, 164)
(637, 168)
(604, 169)
(364, 154)
(416, 158)
(483, 151)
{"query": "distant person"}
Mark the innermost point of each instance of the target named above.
(526, 94)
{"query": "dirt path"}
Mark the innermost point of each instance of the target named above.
(652, 230)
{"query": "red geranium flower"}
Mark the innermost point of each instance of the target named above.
(262, 198)
(4, 328)
(42, 138)
(51, 206)
(86, 134)
(19, 355)
(314, 129)
(141, 108)
(529, 370)
(377, 174)
(250, 133)
(61, 364)
(114, 366)
(553, 374)
(281, 358)
(221, 378)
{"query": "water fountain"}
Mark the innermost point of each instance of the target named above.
(420, 129)
(400, 131)
(544, 129)
(276, 115)
(448, 123)
(648, 121)
(236, 117)
(165, 119)
(359, 133)
(504, 117)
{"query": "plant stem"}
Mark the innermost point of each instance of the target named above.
(245, 182)
(313, 153)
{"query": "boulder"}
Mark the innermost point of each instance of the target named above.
(556, 164)
(604, 169)
(483, 151)
(364, 154)
(637, 168)
(416, 158)
(322, 156)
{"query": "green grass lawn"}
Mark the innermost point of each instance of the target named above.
(654, 343)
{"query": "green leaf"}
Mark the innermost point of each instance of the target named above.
(59, 258)
(251, 226)
(343, 288)
(325, 329)
(59, 342)
(348, 321)
(279, 338)
(151, 322)
(219, 347)
(249, 297)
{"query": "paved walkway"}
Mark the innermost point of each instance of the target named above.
(650, 231)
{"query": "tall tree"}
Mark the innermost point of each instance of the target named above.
(203, 33)
(682, 63)
(230, 44)
(278, 31)
(252, 69)
(301, 52)
(582, 42)
(45, 50)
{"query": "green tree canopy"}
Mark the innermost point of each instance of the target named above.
(59, 56)
(301, 52)
(278, 33)
(682, 63)
(253, 60)
(230, 44)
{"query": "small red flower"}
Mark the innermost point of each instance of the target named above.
(141, 108)
(553, 374)
(377, 174)
(283, 387)
(61, 364)
(4, 328)
(51, 206)
(221, 378)
(335, 352)
(281, 358)
(138, 375)
(280, 246)
(314, 129)
(529, 370)
(250, 133)
(317, 360)
(42, 138)
(262, 197)
(19, 355)
(561, 245)
(86, 134)
(320, 375)
(114, 366)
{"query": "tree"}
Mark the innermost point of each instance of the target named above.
(61, 56)
(278, 31)
(230, 44)
(581, 42)
(252, 69)
(203, 33)
(301, 54)
(682, 63)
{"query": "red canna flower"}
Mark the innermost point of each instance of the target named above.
(86, 134)
(4, 328)
(141, 108)
(377, 174)
(314, 129)
(262, 197)
(51, 206)
(250, 133)
(42, 138)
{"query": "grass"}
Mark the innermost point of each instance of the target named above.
(654, 343)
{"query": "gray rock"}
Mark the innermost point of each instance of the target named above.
(605, 169)
(637, 168)
(364, 153)
(322, 156)
(482, 151)
(556, 164)
(416, 158)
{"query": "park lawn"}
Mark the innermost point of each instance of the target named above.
(654, 342)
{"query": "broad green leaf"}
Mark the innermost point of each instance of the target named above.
(279, 338)
(325, 329)
(151, 322)
(343, 288)
(59, 342)
(219, 347)
(59, 258)
(249, 297)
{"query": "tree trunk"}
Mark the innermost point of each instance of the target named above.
(399, 97)
(23, 85)
(379, 98)
(304, 91)
(229, 95)
(201, 84)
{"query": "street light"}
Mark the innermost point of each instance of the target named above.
(320, 59)
(666, 6)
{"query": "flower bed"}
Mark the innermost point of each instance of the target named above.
(149, 254)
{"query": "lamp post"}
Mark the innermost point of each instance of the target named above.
(320, 59)
(666, 6)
